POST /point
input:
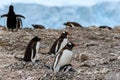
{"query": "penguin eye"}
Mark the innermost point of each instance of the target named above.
(69, 43)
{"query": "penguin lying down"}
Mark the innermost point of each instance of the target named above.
(31, 52)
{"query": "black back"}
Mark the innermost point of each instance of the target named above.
(58, 42)
(31, 45)
(73, 23)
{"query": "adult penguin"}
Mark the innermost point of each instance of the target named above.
(59, 43)
(31, 52)
(11, 18)
(63, 58)
(19, 22)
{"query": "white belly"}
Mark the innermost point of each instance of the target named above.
(65, 59)
(63, 44)
(36, 56)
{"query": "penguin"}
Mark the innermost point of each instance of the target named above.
(59, 43)
(11, 18)
(105, 27)
(63, 58)
(19, 22)
(36, 26)
(31, 52)
(72, 24)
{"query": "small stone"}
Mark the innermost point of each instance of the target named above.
(112, 58)
(91, 44)
(113, 54)
(118, 58)
(83, 57)
(104, 71)
(88, 64)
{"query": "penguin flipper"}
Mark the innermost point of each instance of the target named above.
(4, 15)
(20, 16)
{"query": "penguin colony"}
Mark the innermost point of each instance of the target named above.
(61, 48)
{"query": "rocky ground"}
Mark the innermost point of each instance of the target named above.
(96, 58)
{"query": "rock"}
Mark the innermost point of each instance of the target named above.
(104, 61)
(102, 71)
(112, 76)
(113, 54)
(113, 58)
(82, 57)
(118, 58)
(91, 44)
(87, 64)
(116, 36)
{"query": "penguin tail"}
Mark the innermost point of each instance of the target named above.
(18, 58)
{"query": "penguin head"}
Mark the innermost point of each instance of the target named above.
(67, 24)
(70, 45)
(64, 34)
(36, 38)
(11, 7)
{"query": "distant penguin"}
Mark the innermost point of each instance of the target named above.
(11, 18)
(72, 24)
(105, 27)
(63, 58)
(31, 52)
(36, 26)
(19, 22)
(59, 43)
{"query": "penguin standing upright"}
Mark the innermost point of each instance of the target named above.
(19, 22)
(11, 18)
(59, 43)
(63, 58)
(31, 52)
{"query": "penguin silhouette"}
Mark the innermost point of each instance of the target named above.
(59, 43)
(11, 18)
(31, 52)
(63, 58)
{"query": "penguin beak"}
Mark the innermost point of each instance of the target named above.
(68, 33)
(76, 45)
(64, 24)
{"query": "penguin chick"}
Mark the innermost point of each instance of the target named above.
(63, 57)
(59, 43)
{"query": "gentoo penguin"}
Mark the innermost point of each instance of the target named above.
(31, 52)
(63, 58)
(59, 43)
(19, 22)
(36, 26)
(72, 24)
(11, 18)
(105, 27)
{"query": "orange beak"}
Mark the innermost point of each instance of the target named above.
(76, 45)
